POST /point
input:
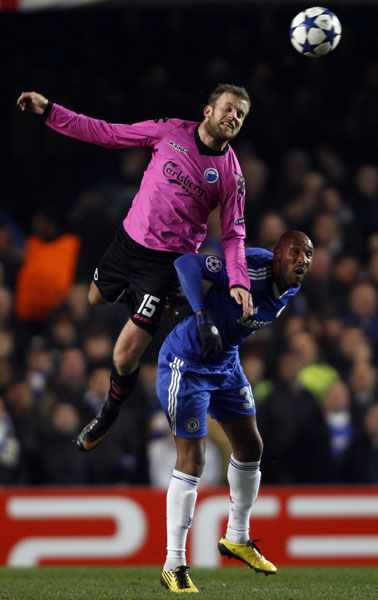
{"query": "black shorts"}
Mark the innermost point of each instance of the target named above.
(147, 276)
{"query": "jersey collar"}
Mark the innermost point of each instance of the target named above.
(203, 149)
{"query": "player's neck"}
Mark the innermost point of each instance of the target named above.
(209, 140)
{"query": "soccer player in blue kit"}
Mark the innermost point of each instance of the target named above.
(200, 372)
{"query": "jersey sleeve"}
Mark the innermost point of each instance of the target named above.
(233, 229)
(109, 135)
(192, 269)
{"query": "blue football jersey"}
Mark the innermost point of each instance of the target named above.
(268, 304)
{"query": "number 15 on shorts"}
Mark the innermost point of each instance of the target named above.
(148, 306)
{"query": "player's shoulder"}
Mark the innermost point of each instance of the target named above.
(258, 255)
(212, 263)
(173, 122)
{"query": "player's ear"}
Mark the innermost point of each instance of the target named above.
(207, 111)
(277, 253)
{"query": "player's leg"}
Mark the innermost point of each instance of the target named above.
(149, 279)
(244, 476)
(181, 501)
(184, 399)
(130, 345)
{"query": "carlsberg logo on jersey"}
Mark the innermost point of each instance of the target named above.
(175, 175)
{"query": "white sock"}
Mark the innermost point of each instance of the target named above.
(181, 501)
(244, 479)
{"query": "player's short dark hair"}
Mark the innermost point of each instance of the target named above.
(229, 88)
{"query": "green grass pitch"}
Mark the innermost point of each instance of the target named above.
(234, 583)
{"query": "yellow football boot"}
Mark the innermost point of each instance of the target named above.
(247, 553)
(177, 580)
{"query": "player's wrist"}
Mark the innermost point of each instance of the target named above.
(47, 110)
(238, 285)
(204, 317)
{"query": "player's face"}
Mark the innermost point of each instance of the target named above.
(295, 260)
(225, 118)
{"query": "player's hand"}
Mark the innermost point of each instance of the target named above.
(32, 101)
(211, 341)
(244, 298)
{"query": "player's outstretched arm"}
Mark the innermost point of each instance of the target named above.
(243, 297)
(32, 101)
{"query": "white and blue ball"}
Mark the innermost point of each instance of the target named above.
(315, 31)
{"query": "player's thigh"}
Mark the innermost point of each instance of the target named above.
(111, 275)
(233, 405)
(233, 397)
(95, 296)
(154, 285)
(183, 397)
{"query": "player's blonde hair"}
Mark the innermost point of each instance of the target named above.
(229, 88)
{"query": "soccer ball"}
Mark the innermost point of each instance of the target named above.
(315, 31)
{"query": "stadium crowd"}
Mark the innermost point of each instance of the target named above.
(308, 152)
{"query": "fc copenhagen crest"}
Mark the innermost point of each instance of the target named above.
(211, 175)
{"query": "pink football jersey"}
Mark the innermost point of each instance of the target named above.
(183, 183)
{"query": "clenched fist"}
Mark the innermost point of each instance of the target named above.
(32, 101)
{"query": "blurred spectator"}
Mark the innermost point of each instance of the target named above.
(254, 367)
(299, 211)
(315, 374)
(362, 456)
(363, 382)
(363, 311)
(55, 458)
(372, 268)
(6, 374)
(10, 256)
(270, 228)
(39, 368)
(47, 271)
(364, 199)
(319, 282)
(9, 448)
(96, 390)
(290, 444)
(98, 348)
(335, 404)
(327, 233)
(352, 346)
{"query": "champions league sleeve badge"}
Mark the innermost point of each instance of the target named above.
(213, 264)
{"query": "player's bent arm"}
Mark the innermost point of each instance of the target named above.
(195, 271)
(189, 271)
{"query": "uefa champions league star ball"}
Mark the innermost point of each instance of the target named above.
(315, 31)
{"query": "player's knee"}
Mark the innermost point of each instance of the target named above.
(192, 464)
(250, 452)
(125, 361)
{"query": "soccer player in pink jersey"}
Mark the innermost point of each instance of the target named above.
(193, 169)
